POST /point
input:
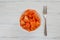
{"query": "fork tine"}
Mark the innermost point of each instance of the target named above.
(44, 9)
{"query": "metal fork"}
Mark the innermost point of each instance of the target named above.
(44, 16)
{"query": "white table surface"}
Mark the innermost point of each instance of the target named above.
(10, 11)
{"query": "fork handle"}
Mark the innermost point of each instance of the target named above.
(45, 28)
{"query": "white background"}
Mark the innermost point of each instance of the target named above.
(10, 11)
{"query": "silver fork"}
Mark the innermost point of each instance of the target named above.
(44, 16)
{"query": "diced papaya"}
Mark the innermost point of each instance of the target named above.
(22, 22)
(26, 19)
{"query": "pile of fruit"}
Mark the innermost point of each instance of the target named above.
(30, 20)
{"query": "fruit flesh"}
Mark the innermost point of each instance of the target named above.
(29, 20)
